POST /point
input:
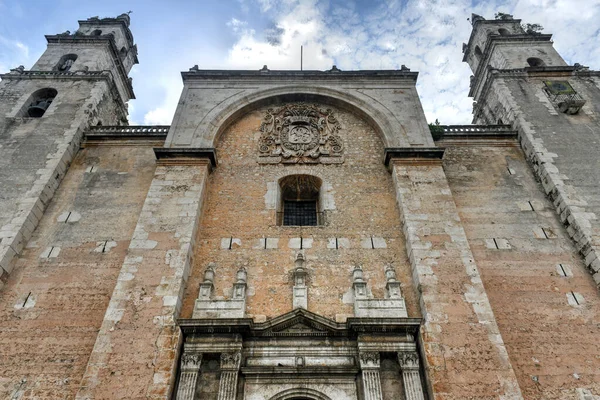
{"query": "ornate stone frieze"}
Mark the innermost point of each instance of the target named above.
(300, 133)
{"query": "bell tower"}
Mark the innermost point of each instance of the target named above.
(80, 80)
(520, 79)
(503, 44)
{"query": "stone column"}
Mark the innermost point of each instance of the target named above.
(369, 364)
(409, 363)
(190, 368)
(230, 365)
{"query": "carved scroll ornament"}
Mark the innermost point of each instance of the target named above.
(300, 133)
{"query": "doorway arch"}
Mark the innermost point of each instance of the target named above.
(300, 394)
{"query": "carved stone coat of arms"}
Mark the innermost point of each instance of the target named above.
(300, 133)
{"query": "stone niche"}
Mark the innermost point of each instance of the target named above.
(300, 355)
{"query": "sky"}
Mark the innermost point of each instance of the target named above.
(172, 36)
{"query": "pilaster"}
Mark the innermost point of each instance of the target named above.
(300, 290)
(147, 297)
(369, 365)
(190, 368)
(230, 366)
(409, 363)
(449, 284)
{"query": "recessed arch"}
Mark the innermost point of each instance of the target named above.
(220, 118)
(66, 62)
(503, 32)
(39, 101)
(535, 62)
(478, 52)
(299, 200)
(300, 394)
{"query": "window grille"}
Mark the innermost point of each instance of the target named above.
(300, 213)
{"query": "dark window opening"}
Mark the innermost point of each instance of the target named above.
(39, 102)
(503, 31)
(478, 52)
(299, 213)
(535, 62)
(66, 62)
(97, 32)
(299, 201)
(123, 52)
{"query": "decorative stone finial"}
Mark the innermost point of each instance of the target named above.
(264, 68)
(390, 273)
(125, 17)
(404, 68)
(19, 70)
(475, 18)
(194, 68)
(209, 273)
(242, 275)
(299, 260)
(334, 69)
(357, 274)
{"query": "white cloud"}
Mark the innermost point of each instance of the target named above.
(425, 35)
(163, 113)
(159, 116)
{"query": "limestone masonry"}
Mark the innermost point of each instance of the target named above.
(299, 235)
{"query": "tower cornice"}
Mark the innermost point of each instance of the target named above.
(102, 39)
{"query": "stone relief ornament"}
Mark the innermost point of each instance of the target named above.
(369, 359)
(300, 134)
(231, 360)
(408, 360)
(191, 361)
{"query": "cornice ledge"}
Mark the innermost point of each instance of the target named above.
(75, 75)
(182, 154)
(110, 39)
(268, 75)
(426, 154)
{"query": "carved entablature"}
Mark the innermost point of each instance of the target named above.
(300, 133)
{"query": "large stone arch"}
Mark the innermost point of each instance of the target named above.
(218, 119)
(300, 393)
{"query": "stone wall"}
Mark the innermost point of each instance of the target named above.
(36, 152)
(240, 212)
(544, 300)
(54, 301)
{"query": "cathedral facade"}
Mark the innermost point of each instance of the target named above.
(299, 235)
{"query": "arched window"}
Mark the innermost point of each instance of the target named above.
(535, 62)
(503, 31)
(97, 32)
(478, 52)
(299, 201)
(66, 62)
(39, 102)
